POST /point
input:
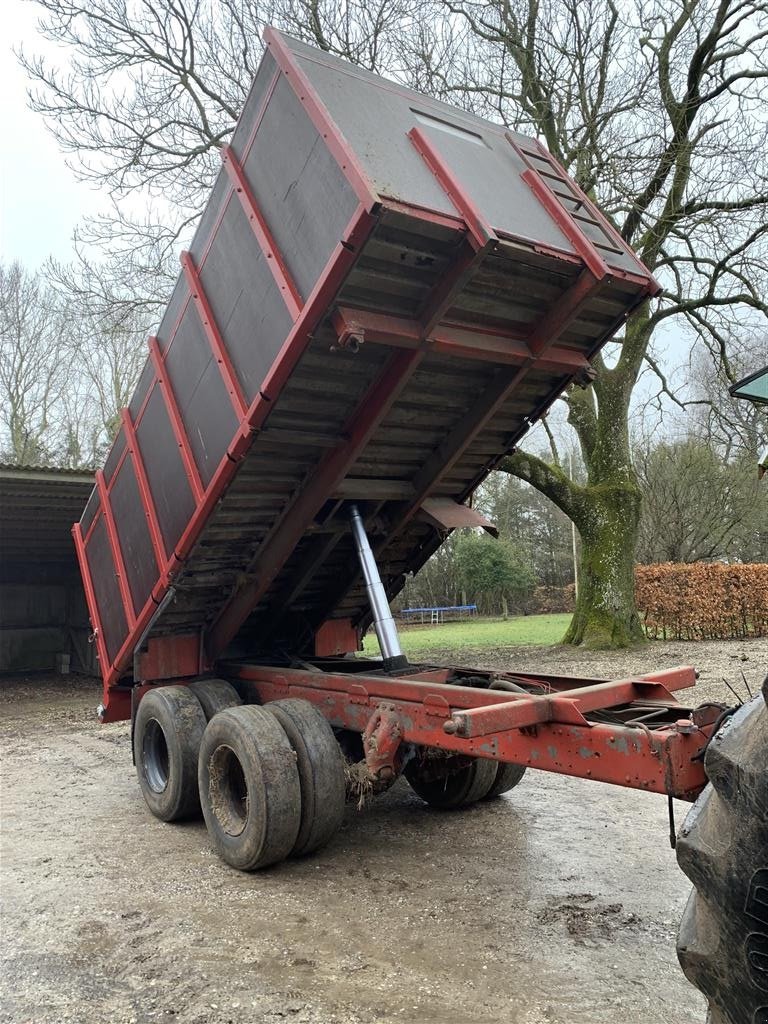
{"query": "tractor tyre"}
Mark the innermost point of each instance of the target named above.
(722, 847)
(167, 732)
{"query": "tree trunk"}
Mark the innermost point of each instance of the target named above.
(605, 615)
(504, 608)
(606, 510)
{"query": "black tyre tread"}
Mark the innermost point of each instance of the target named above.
(507, 777)
(456, 789)
(215, 695)
(271, 774)
(181, 718)
(321, 772)
(721, 845)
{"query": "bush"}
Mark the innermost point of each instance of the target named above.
(552, 600)
(702, 601)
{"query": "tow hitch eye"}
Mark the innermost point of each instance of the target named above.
(381, 743)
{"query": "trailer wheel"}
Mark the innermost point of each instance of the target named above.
(451, 782)
(321, 772)
(507, 777)
(167, 732)
(215, 695)
(249, 787)
(722, 944)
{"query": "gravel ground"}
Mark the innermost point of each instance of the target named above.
(557, 904)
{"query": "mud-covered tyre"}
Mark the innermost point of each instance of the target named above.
(722, 846)
(249, 787)
(321, 772)
(507, 777)
(215, 695)
(452, 782)
(167, 732)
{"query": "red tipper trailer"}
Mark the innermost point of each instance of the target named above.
(381, 297)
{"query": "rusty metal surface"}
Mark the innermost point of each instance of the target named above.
(588, 729)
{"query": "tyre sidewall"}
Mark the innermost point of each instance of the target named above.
(181, 719)
(271, 775)
(215, 695)
(457, 788)
(507, 777)
(321, 772)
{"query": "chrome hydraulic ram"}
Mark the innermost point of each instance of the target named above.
(383, 623)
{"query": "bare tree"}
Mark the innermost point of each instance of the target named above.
(153, 90)
(105, 328)
(731, 425)
(654, 108)
(33, 367)
(698, 506)
(67, 365)
(655, 111)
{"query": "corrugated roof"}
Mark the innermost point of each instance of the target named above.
(17, 470)
(38, 505)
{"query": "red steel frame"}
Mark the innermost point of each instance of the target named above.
(252, 416)
(515, 358)
(549, 732)
(480, 231)
(260, 228)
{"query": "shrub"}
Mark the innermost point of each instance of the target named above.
(702, 601)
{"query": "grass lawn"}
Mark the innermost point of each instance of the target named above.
(478, 633)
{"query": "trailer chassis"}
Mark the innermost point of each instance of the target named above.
(630, 732)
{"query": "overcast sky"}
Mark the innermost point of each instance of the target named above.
(41, 201)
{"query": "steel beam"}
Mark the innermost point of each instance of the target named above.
(661, 760)
(480, 231)
(461, 343)
(117, 554)
(214, 336)
(177, 423)
(567, 707)
(260, 228)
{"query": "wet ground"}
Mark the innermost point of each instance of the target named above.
(556, 904)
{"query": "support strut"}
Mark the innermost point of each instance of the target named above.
(383, 623)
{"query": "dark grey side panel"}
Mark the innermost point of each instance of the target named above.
(114, 627)
(142, 389)
(176, 303)
(246, 301)
(173, 498)
(301, 190)
(133, 534)
(117, 449)
(375, 117)
(204, 404)
(253, 104)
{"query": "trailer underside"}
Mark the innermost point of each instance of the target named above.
(630, 732)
